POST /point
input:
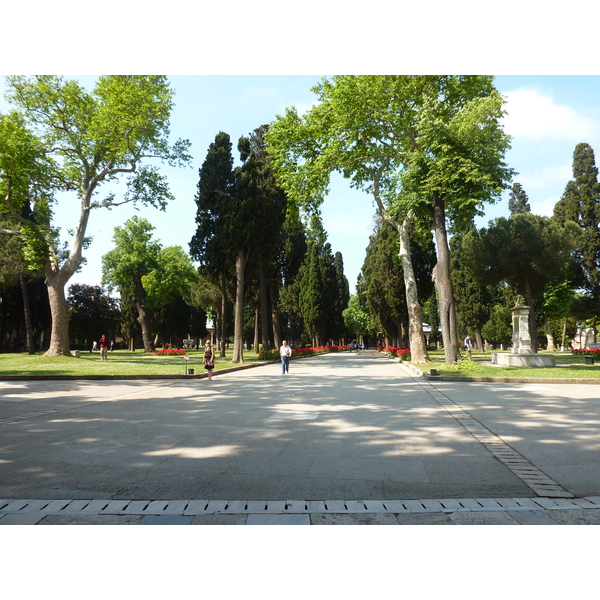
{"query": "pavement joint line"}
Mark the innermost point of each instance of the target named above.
(265, 507)
(526, 471)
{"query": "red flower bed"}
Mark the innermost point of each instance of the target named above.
(274, 354)
(589, 351)
(403, 353)
(170, 352)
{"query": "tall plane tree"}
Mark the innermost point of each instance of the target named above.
(426, 147)
(95, 137)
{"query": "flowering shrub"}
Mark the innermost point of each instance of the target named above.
(589, 351)
(170, 352)
(274, 354)
(268, 354)
(403, 353)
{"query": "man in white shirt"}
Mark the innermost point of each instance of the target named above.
(285, 351)
(468, 346)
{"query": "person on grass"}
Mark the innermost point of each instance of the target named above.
(103, 348)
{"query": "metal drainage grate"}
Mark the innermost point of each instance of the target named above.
(233, 507)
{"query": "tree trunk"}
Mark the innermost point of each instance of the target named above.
(564, 336)
(144, 315)
(264, 307)
(418, 349)
(479, 341)
(443, 283)
(59, 337)
(238, 340)
(27, 311)
(275, 320)
(549, 335)
(223, 314)
(256, 329)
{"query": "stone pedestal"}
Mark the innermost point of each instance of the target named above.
(521, 354)
(523, 360)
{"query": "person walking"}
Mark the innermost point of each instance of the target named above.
(285, 352)
(103, 348)
(468, 345)
(209, 358)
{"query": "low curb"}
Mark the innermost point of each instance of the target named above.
(467, 379)
(125, 377)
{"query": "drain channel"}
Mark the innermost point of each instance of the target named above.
(527, 472)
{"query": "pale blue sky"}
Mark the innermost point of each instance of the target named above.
(547, 117)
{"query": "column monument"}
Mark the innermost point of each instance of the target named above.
(521, 354)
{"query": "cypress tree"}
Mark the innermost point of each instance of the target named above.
(210, 245)
(312, 303)
(581, 203)
(518, 202)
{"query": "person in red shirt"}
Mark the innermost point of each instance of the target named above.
(103, 348)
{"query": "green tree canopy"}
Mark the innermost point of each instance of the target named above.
(526, 251)
(89, 139)
(424, 146)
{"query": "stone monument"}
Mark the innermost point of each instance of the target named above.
(521, 354)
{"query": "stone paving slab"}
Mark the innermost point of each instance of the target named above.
(353, 519)
(115, 507)
(219, 520)
(296, 506)
(424, 519)
(156, 507)
(489, 517)
(56, 506)
(90, 520)
(395, 506)
(272, 519)
(94, 507)
(532, 517)
(175, 507)
(576, 517)
(35, 506)
(166, 520)
(21, 519)
(216, 506)
(584, 503)
(375, 506)
(196, 507)
(134, 507)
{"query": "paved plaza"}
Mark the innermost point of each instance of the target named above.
(341, 439)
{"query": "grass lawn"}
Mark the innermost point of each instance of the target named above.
(120, 362)
(567, 366)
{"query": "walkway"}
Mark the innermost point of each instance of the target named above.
(350, 439)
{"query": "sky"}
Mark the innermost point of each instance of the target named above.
(547, 115)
